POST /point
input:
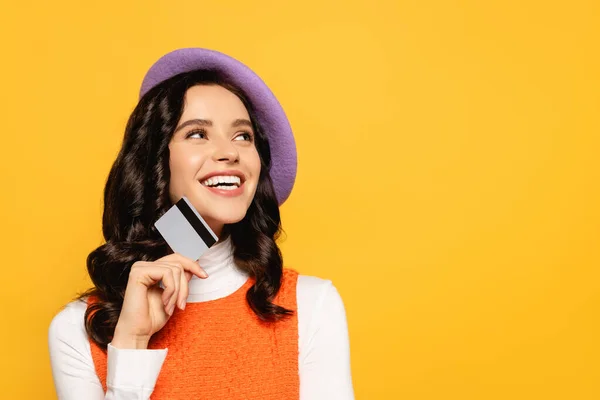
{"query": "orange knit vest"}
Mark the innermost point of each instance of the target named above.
(219, 349)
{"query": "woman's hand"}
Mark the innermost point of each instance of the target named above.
(146, 307)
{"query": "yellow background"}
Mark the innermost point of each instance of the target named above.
(448, 178)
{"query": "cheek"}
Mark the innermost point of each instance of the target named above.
(254, 163)
(184, 166)
(184, 163)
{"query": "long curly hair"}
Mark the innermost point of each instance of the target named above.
(137, 194)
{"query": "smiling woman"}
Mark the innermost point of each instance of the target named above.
(214, 136)
(236, 324)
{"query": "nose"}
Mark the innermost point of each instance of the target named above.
(226, 152)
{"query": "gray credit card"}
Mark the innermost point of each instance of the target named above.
(185, 231)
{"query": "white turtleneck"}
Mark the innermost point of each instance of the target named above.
(324, 355)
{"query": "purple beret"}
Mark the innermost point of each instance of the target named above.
(269, 112)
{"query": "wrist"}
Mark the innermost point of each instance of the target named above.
(124, 341)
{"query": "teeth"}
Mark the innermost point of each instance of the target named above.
(215, 180)
(228, 187)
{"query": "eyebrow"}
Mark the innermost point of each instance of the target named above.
(206, 122)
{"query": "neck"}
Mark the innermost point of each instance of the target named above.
(224, 277)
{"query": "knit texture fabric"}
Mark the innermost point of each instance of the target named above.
(219, 349)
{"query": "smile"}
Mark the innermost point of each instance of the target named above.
(223, 181)
(225, 189)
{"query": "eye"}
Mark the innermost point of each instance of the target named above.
(196, 133)
(245, 134)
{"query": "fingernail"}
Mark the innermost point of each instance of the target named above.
(182, 304)
(203, 273)
(171, 309)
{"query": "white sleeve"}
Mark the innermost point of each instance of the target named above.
(131, 374)
(324, 347)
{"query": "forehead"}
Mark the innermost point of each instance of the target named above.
(212, 102)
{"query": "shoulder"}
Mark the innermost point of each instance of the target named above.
(310, 291)
(317, 299)
(307, 286)
(69, 322)
(314, 293)
(312, 287)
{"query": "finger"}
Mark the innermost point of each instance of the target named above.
(188, 264)
(183, 286)
(145, 273)
(170, 290)
(149, 274)
(183, 292)
(176, 270)
(180, 296)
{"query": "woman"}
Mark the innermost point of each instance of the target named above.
(234, 324)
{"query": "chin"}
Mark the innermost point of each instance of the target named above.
(225, 217)
(222, 212)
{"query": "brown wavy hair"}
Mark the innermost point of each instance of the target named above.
(137, 194)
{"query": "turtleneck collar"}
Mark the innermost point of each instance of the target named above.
(224, 277)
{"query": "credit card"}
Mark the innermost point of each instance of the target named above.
(185, 231)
